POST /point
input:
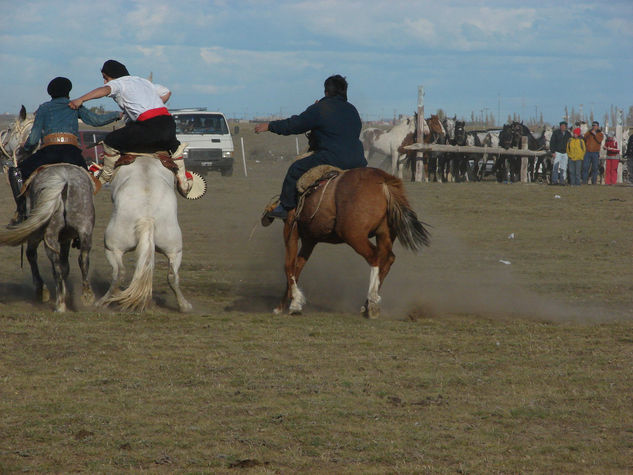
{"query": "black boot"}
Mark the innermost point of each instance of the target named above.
(15, 180)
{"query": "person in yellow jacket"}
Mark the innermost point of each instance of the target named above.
(576, 149)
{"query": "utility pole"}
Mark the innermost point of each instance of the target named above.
(497, 123)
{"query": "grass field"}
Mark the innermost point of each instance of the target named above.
(475, 366)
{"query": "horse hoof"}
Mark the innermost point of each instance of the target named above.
(370, 310)
(295, 309)
(277, 311)
(45, 295)
(60, 308)
(185, 307)
(87, 298)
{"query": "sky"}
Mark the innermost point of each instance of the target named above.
(257, 58)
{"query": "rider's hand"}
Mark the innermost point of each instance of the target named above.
(75, 104)
(261, 127)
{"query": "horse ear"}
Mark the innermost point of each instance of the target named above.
(22, 113)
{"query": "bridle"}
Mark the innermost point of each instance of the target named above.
(19, 129)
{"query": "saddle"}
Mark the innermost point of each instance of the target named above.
(311, 179)
(199, 186)
(28, 181)
(306, 184)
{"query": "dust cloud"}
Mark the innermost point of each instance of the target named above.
(445, 279)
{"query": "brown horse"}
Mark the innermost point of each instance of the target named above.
(353, 207)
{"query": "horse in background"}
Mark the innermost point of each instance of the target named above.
(60, 210)
(351, 207)
(145, 219)
(436, 135)
(388, 142)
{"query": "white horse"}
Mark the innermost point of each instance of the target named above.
(387, 142)
(145, 218)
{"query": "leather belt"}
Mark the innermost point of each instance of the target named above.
(60, 138)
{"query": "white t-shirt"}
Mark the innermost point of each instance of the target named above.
(136, 95)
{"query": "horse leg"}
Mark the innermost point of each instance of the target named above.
(115, 258)
(60, 269)
(174, 281)
(298, 299)
(87, 295)
(41, 292)
(363, 246)
(291, 241)
(395, 167)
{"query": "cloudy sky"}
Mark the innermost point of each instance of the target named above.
(252, 58)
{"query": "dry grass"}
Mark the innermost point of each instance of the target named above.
(475, 367)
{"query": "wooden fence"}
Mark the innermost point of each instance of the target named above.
(523, 152)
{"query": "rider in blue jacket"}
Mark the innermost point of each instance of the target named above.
(56, 130)
(334, 126)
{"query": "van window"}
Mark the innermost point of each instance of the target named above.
(198, 124)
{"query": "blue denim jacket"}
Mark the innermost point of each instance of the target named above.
(55, 116)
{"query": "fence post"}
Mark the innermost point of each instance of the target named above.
(243, 156)
(419, 164)
(619, 138)
(524, 161)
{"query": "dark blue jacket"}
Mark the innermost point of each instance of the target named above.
(335, 129)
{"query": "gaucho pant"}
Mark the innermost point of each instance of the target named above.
(48, 156)
(289, 188)
(152, 135)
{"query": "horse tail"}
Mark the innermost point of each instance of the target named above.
(402, 220)
(49, 201)
(139, 293)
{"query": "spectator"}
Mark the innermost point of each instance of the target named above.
(576, 152)
(591, 162)
(558, 147)
(613, 160)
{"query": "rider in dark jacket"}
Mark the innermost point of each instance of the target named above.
(335, 127)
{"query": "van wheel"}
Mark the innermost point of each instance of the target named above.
(227, 171)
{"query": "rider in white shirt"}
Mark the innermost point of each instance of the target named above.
(149, 127)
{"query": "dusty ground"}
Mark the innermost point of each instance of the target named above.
(475, 365)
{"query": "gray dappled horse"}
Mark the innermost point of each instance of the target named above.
(60, 198)
(61, 209)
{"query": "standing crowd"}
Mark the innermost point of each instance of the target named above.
(580, 154)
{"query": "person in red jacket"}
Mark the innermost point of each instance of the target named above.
(613, 160)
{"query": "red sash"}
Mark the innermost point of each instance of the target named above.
(150, 114)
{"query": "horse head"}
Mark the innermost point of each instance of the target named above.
(460, 132)
(437, 131)
(449, 126)
(506, 136)
(12, 138)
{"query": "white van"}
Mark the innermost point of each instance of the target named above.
(210, 145)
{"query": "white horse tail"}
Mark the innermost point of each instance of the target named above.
(139, 293)
(49, 200)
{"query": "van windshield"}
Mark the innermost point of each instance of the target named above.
(200, 124)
